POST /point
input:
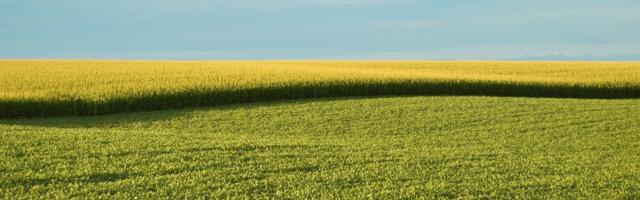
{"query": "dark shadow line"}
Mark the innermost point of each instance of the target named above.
(11, 109)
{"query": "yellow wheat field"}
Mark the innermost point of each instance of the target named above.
(46, 88)
(20, 79)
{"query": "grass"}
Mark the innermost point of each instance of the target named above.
(31, 88)
(391, 147)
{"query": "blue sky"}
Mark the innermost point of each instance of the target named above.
(320, 29)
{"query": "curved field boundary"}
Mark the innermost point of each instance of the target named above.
(204, 97)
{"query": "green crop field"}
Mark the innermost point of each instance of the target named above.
(319, 130)
(445, 147)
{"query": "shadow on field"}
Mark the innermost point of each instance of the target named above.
(244, 156)
(145, 119)
(150, 117)
(151, 101)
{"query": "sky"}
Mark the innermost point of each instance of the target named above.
(321, 29)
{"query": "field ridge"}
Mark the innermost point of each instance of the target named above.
(80, 88)
(199, 97)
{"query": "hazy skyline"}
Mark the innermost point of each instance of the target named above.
(316, 29)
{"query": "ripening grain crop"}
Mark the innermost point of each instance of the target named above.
(46, 88)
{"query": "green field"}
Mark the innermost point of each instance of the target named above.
(385, 147)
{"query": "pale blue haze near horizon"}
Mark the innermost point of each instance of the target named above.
(321, 29)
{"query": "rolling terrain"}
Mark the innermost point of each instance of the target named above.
(390, 147)
(319, 129)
